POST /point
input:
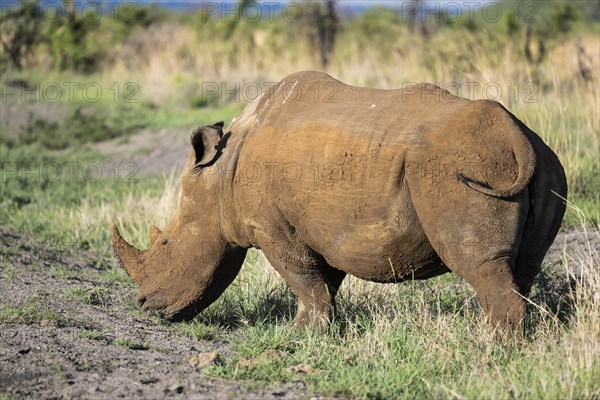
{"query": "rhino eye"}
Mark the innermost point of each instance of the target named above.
(165, 241)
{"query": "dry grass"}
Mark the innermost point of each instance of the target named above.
(421, 339)
(424, 339)
(551, 98)
(91, 219)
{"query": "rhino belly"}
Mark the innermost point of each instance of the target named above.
(387, 245)
(388, 259)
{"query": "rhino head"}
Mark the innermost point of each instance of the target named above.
(190, 263)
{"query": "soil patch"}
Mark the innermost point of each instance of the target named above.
(64, 333)
(150, 152)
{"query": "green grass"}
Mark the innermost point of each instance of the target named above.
(51, 200)
(423, 339)
(61, 272)
(29, 314)
(76, 129)
(200, 331)
(86, 122)
(95, 296)
(41, 177)
(93, 335)
(586, 209)
(9, 272)
(7, 397)
(115, 275)
(130, 344)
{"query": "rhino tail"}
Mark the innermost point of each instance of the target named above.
(526, 160)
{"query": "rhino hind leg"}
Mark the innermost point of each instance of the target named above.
(498, 292)
(493, 280)
(541, 228)
(528, 266)
(491, 275)
(478, 238)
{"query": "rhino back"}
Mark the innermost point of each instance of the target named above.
(333, 168)
(329, 163)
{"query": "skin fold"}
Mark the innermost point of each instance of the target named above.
(386, 185)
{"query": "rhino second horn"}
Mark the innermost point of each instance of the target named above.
(154, 234)
(128, 256)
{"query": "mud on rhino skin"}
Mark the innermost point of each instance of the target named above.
(330, 179)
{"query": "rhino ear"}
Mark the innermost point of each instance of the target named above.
(205, 141)
(154, 234)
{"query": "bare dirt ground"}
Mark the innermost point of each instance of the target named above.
(58, 347)
(152, 152)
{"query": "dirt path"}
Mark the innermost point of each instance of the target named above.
(152, 152)
(55, 346)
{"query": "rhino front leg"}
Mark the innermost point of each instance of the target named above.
(314, 282)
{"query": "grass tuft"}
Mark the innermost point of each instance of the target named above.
(30, 314)
(130, 344)
(96, 295)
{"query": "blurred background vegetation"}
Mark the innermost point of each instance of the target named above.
(157, 66)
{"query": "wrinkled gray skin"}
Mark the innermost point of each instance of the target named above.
(387, 185)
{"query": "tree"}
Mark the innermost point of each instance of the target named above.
(327, 25)
(240, 9)
(21, 31)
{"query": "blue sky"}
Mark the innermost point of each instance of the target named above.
(362, 3)
(356, 5)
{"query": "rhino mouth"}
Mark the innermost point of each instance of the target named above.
(178, 316)
(185, 313)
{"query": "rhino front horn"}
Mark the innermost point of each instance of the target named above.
(128, 256)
